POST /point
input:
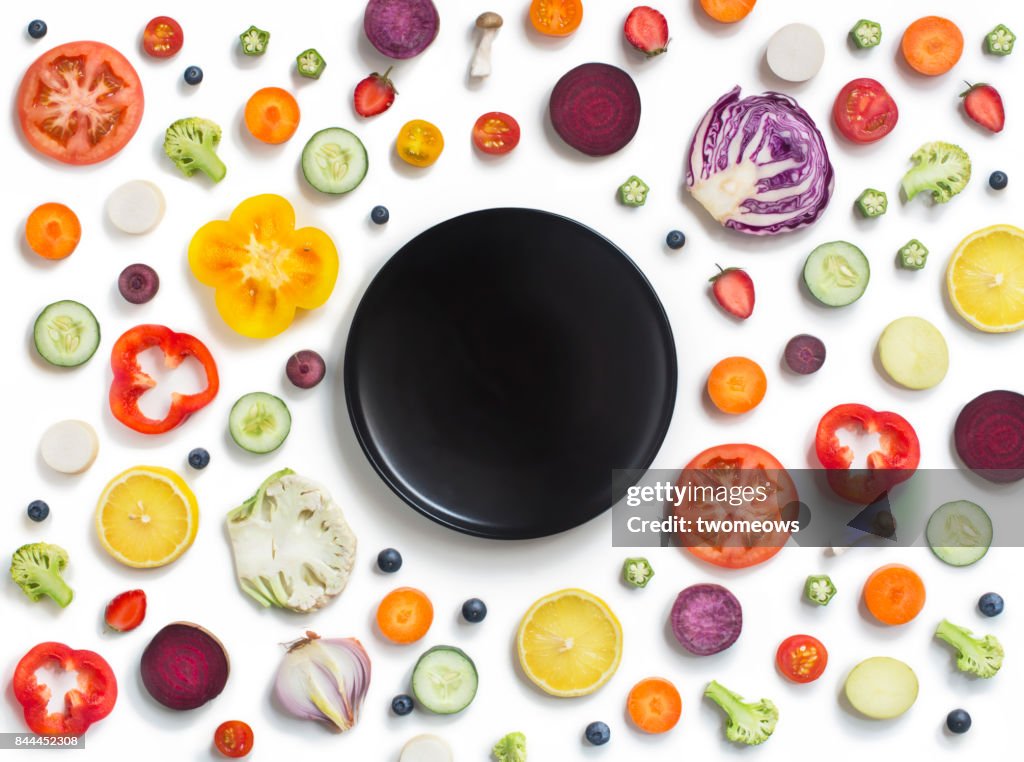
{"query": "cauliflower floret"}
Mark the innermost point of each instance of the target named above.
(293, 547)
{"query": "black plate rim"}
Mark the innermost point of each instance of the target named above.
(357, 418)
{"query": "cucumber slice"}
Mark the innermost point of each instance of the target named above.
(259, 422)
(334, 161)
(959, 532)
(66, 333)
(881, 688)
(837, 273)
(444, 680)
(913, 353)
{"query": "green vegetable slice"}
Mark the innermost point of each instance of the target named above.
(254, 41)
(637, 572)
(334, 161)
(837, 273)
(634, 192)
(819, 589)
(872, 203)
(914, 255)
(959, 532)
(866, 34)
(310, 64)
(444, 680)
(999, 42)
(259, 422)
(66, 333)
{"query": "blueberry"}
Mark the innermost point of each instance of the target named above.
(598, 733)
(380, 215)
(38, 510)
(991, 604)
(474, 610)
(389, 560)
(998, 180)
(401, 704)
(675, 239)
(37, 29)
(193, 75)
(958, 721)
(199, 458)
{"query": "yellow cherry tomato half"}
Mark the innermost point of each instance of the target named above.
(419, 143)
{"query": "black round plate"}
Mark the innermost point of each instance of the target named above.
(501, 365)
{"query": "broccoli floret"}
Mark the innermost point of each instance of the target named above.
(37, 567)
(979, 656)
(511, 748)
(942, 168)
(749, 722)
(192, 145)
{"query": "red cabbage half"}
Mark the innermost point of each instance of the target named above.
(759, 164)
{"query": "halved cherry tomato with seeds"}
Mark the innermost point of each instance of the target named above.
(405, 615)
(272, 115)
(80, 102)
(53, 231)
(162, 37)
(801, 658)
(496, 133)
(419, 143)
(233, 738)
(556, 18)
(864, 111)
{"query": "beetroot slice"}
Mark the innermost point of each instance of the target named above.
(706, 619)
(989, 436)
(184, 666)
(595, 108)
(401, 28)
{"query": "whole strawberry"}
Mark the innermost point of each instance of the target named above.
(375, 94)
(734, 292)
(984, 105)
(647, 31)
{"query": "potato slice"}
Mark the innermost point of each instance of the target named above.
(881, 687)
(913, 353)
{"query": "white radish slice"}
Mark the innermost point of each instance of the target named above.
(795, 53)
(136, 207)
(426, 748)
(69, 447)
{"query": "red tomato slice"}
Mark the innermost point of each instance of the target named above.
(233, 738)
(801, 658)
(864, 111)
(162, 37)
(80, 102)
(496, 133)
(746, 472)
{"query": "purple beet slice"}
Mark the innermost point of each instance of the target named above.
(595, 108)
(184, 666)
(805, 354)
(989, 436)
(401, 28)
(706, 619)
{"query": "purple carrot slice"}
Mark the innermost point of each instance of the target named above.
(595, 108)
(401, 28)
(805, 354)
(989, 436)
(706, 619)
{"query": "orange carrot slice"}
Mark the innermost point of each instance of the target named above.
(272, 115)
(932, 45)
(737, 385)
(894, 594)
(53, 231)
(654, 705)
(405, 615)
(727, 11)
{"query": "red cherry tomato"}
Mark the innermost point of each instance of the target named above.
(233, 738)
(162, 37)
(496, 133)
(801, 658)
(864, 111)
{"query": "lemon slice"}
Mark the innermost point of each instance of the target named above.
(569, 643)
(985, 279)
(147, 517)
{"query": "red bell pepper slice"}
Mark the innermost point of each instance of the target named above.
(130, 382)
(89, 702)
(895, 460)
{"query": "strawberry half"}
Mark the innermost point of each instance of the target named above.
(647, 30)
(126, 611)
(734, 291)
(375, 94)
(984, 105)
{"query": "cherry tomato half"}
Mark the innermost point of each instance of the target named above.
(162, 37)
(233, 738)
(419, 143)
(801, 658)
(496, 133)
(864, 111)
(556, 18)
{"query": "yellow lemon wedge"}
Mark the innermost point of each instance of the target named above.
(569, 643)
(147, 517)
(985, 279)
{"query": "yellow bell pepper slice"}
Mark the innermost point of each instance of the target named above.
(261, 268)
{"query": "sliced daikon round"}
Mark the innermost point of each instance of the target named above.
(69, 447)
(136, 207)
(795, 53)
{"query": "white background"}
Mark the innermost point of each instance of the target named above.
(705, 60)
